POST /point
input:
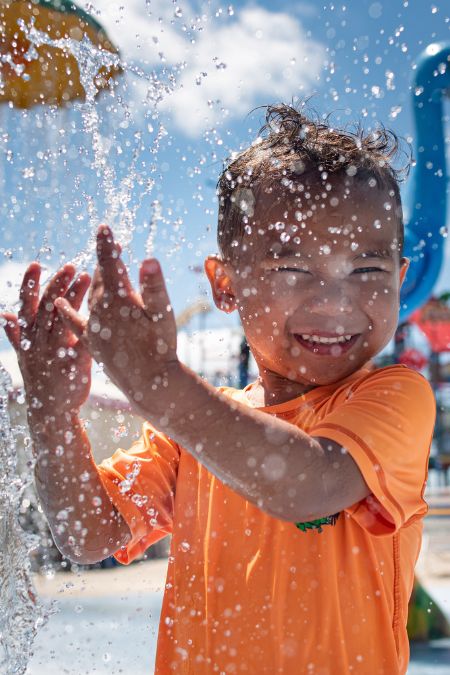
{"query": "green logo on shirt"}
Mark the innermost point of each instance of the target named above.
(317, 524)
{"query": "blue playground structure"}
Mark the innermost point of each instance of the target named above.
(426, 197)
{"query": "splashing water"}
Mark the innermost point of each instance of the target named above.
(24, 613)
(21, 612)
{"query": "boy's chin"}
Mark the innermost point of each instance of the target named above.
(330, 376)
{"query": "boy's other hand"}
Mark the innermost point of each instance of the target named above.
(132, 334)
(55, 365)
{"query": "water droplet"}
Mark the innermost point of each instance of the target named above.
(377, 91)
(20, 396)
(375, 10)
(25, 344)
(28, 172)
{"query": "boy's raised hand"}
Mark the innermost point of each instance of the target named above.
(132, 334)
(55, 365)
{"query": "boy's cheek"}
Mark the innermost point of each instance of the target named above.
(255, 294)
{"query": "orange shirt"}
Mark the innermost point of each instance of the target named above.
(247, 593)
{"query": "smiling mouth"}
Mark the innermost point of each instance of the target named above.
(329, 345)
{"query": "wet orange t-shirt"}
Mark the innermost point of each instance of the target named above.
(247, 593)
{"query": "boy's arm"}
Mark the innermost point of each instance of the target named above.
(84, 524)
(386, 428)
(56, 368)
(270, 462)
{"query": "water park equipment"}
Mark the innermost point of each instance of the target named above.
(32, 74)
(426, 198)
(425, 237)
(199, 307)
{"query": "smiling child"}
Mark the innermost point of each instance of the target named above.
(295, 505)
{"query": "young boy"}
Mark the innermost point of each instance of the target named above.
(295, 505)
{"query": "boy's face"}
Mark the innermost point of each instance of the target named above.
(316, 280)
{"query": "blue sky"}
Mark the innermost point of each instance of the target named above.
(221, 61)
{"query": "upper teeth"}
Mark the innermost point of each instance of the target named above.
(327, 340)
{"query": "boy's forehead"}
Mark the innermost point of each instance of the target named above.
(337, 198)
(338, 217)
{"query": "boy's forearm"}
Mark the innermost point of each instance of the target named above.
(85, 526)
(271, 463)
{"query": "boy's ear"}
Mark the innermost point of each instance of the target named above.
(223, 294)
(404, 264)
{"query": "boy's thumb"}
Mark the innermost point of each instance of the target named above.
(153, 288)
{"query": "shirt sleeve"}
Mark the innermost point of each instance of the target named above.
(141, 484)
(386, 424)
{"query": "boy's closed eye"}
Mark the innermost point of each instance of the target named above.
(290, 269)
(367, 270)
(358, 270)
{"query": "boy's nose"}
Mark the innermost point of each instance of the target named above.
(329, 300)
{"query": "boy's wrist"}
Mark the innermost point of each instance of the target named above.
(168, 395)
(54, 423)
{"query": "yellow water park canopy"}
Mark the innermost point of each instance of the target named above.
(53, 77)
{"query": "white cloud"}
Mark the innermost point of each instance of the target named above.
(262, 55)
(230, 63)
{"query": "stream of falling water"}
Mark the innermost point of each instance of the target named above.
(21, 612)
(120, 214)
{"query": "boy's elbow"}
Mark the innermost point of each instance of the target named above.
(79, 555)
(295, 505)
(287, 508)
(84, 552)
(295, 513)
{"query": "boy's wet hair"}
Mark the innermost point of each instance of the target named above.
(291, 146)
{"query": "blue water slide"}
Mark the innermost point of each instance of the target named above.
(426, 198)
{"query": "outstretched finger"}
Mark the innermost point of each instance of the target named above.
(70, 317)
(29, 294)
(113, 270)
(77, 290)
(96, 289)
(153, 290)
(56, 288)
(10, 323)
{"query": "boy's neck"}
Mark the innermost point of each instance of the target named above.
(271, 389)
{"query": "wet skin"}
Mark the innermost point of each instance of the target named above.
(322, 262)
